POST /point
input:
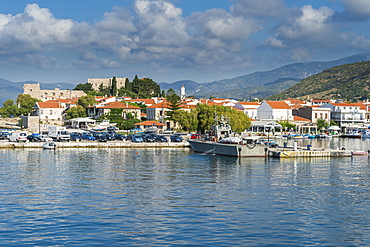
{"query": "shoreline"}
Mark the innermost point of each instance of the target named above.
(93, 144)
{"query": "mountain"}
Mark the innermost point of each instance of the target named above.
(348, 82)
(10, 90)
(262, 84)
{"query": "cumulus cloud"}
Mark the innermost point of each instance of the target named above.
(155, 33)
(303, 31)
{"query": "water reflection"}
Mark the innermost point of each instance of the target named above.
(173, 196)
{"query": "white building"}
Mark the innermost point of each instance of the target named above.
(275, 110)
(347, 113)
(249, 108)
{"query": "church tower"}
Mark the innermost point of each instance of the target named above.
(182, 92)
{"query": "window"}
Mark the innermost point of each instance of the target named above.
(51, 112)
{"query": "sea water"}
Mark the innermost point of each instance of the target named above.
(173, 197)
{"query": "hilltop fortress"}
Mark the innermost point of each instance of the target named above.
(44, 95)
(35, 92)
(97, 82)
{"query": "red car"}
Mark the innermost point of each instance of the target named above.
(195, 136)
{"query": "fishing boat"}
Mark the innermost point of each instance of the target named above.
(49, 145)
(222, 141)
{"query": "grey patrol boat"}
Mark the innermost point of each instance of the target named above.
(221, 140)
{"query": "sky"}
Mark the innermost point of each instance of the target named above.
(172, 40)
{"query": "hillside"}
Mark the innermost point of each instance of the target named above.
(262, 84)
(348, 82)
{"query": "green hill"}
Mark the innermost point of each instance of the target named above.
(348, 82)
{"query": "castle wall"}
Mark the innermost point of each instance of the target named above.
(96, 82)
(44, 95)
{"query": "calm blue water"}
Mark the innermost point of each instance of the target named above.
(171, 197)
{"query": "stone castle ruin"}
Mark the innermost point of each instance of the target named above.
(97, 82)
(44, 95)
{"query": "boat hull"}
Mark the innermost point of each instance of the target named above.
(235, 150)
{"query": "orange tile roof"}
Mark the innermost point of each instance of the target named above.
(118, 105)
(47, 104)
(249, 103)
(152, 123)
(320, 100)
(295, 101)
(296, 118)
(278, 104)
(160, 105)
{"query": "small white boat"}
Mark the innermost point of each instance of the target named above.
(49, 145)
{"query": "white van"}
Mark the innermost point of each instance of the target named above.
(18, 137)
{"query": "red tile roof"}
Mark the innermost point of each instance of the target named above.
(160, 105)
(47, 104)
(278, 104)
(151, 123)
(118, 105)
(296, 118)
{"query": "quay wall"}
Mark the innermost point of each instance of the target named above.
(92, 144)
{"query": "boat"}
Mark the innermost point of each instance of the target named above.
(351, 135)
(222, 141)
(49, 145)
(101, 126)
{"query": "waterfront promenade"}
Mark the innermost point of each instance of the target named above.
(94, 144)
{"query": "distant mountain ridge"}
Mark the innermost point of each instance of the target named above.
(350, 82)
(259, 84)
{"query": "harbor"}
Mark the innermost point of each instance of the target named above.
(94, 144)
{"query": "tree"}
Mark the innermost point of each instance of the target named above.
(9, 109)
(113, 91)
(86, 101)
(126, 92)
(128, 85)
(76, 112)
(286, 125)
(321, 124)
(145, 88)
(174, 102)
(204, 116)
(25, 103)
(86, 87)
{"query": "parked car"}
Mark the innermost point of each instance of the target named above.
(45, 138)
(160, 138)
(110, 136)
(87, 136)
(119, 137)
(18, 137)
(148, 138)
(176, 138)
(101, 137)
(4, 135)
(76, 137)
(112, 128)
(34, 138)
(195, 136)
(137, 138)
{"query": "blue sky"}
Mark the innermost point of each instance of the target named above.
(171, 40)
